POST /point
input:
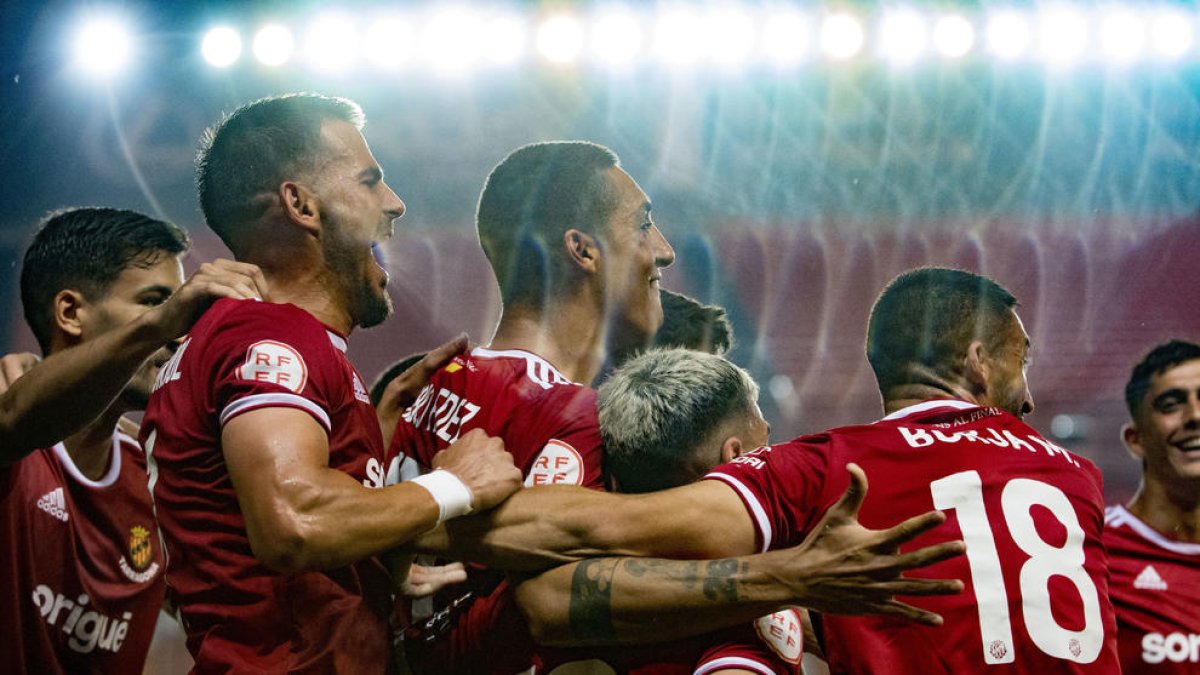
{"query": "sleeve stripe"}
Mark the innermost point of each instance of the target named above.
(274, 401)
(756, 510)
(733, 662)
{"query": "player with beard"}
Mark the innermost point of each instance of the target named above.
(1154, 540)
(270, 477)
(104, 294)
(570, 240)
(949, 354)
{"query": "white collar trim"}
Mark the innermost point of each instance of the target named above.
(930, 405)
(337, 340)
(1152, 535)
(114, 464)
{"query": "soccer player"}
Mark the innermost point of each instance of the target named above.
(81, 575)
(269, 471)
(949, 353)
(570, 240)
(1154, 540)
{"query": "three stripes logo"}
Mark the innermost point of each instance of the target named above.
(53, 503)
(1150, 580)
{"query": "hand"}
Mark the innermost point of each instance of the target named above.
(484, 465)
(844, 568)
(13, 366)
(426, 580)
(402, 391)
(219, 279)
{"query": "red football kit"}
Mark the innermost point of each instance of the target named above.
(549, 424)
(1031, 514)
(1155, 586)
(82, 568)
(239, 615)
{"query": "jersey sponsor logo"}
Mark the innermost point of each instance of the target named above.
(453, 367)
(377, 477)
(170, 370)
(360, 392)
(921, 438)
(1174, 647)
(86, 629)
(1149, 580)
(441, 411)
(53, 503)
(783, 633)
(557, 464)
(275, 362)
(137, 567)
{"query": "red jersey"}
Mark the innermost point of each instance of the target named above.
(550, 426)
(1031, 513)
(771, 645)
(240, 615)
(82, 568)
(1155, 586)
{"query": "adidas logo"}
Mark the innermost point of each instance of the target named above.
(53, 503)
(1149, 580)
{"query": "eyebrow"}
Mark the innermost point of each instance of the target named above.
(157, 289)
(371, 173)
(1168, 396)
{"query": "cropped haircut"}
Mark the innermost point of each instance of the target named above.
(529, 200)
(86, 249)
(390, 373)
(659, 407)
(689, 323)
(1159, 360)
(929, 317)
(260, 145)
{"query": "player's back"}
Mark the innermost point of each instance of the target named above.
(1031, 514)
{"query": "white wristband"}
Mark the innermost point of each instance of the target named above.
(453, 497)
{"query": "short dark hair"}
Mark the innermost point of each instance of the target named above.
(383, 379)
(257, 147)
(691, 324)
(532, 196)
(86, 249)
(658, 407)
(928, 317)
(1159, 360)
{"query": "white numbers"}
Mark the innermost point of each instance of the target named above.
(963, 492)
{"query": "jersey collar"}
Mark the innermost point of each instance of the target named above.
(930, 405)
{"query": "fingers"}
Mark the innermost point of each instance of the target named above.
(426, 580)
(440, 356)
(900, 610)
(13, 366)
(911, 528)
(851, 500)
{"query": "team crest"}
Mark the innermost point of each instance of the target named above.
(141, 551)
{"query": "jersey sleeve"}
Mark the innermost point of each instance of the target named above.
(781, 487)
(566, 433)
(261, 359)
(772, 645)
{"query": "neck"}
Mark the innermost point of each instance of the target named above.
(1174, 512)
(90, 448)
(903, 395)
(309, 288)
(568, 334)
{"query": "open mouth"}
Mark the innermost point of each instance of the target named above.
(377, 254)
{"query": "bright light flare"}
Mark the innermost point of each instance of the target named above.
(617, 38)
(786, 37)
(390, 42)
(452, 39)
(1062, 36)
(731, 36)
(903, 36)
(560, 39)
(1171, 34)
(1008, 35)
(679, 38)
(953, 36)
(841, 36)
(504, 40)
(273, 45)
(1122, 35)
(332, 42)
(104, 46)
(221, 47)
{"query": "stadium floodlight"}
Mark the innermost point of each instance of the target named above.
(1008, 35)
(1171, 34)
(731, 35)
(452, 40)
(953, 36)
(902, 36)
(1122, 35)
(786, 37)
(273, 45)
(1062, 35)
(332, 42)
(679, 37)
(841, 36)
(104, 45)
(390, 42)
(560, 39)
(221, 46)
(504, 40)
(616, 38)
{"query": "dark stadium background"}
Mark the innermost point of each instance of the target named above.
(790, 197)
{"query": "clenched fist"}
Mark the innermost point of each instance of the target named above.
(481, 462)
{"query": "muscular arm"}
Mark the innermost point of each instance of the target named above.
(301, 514)
(540, 527)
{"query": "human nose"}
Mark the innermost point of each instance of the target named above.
(1027, 404)
(664, 255)
(393, 205)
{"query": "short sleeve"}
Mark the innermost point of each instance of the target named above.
(771, 645)
(566, 429)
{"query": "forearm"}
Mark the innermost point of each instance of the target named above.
(70, 388)
(608, 601)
